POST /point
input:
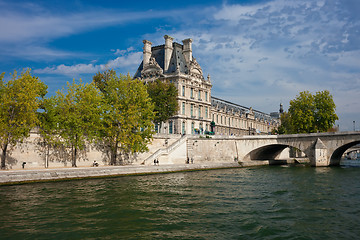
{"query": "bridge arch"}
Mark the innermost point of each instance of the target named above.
(267, 152)
(337, 153)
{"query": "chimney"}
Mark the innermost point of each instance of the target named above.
(168, 51)
(187, 50)
(147, 52)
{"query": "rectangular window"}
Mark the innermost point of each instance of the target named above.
(192, 128)
(183, 91)
(206, 96)
(183, 108)
(199, 97)
(192, 93)
(170, 127)
(183, 128)
(206, 112)
(191, 110)
(199, 111)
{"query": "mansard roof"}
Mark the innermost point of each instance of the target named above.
(229, 107)
(177, 60)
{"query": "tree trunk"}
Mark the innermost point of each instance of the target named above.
(47, 153)
(3, 156)
(113, 156)
(74, 155)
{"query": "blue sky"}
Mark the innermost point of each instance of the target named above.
(259, 53)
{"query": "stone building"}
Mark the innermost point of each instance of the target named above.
(199, 111)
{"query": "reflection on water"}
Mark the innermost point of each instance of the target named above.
(270, 202)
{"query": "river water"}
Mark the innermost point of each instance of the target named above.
(270, 202)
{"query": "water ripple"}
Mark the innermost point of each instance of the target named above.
(249, 203)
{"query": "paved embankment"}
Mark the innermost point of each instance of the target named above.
(42, 175)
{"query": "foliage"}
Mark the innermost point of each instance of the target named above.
(302, 110)
(324, 115)
(101, 78)
(20, 99)
(77, 115)
(163, 94)
(48, 138)
(309, 113)
(127, 117)
(285, 127)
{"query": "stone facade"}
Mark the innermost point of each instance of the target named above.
(198, 109)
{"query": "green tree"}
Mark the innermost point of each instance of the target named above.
(77, 114)
(127, 118)
(301, 112)
(48, 138)
(309, 113)
(324, 115)
(163, 94)
(20, 99)
(100, 79)
(285, 127)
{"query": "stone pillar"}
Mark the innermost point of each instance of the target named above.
(320, 155)
(147, 52)
(187, 50)
(168, 51)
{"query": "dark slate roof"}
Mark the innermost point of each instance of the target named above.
(158, 53)
(138, 72)
(177, 59)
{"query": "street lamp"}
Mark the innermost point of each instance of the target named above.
(354, 125)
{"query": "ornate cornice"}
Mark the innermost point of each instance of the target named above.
(152, 69)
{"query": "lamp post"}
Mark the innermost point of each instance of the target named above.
(354, 125)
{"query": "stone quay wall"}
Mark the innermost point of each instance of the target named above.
(30, 152)
(174, 152)
(44, 175)
(167, 149)
(228, 149)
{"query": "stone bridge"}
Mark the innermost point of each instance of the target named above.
(322, 149)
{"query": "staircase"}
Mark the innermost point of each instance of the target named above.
(189, 146)
(166, 151)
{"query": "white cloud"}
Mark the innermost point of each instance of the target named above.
(124, 61)
(30, 25)
(122, 52)
(70, 70)
(129, 60)
(270, 50)
(307, 45)
(27, 26)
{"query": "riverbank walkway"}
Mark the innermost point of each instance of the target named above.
(8, 177)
